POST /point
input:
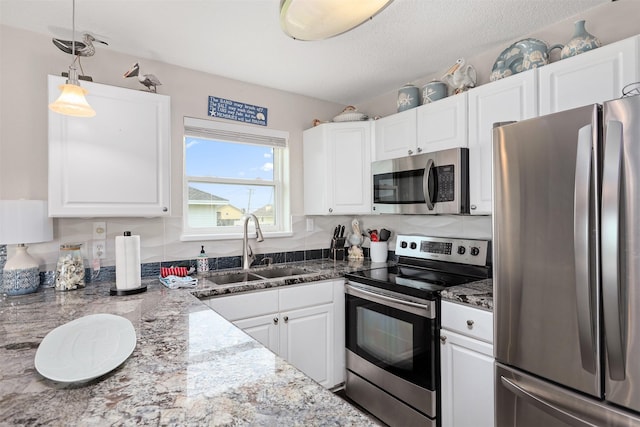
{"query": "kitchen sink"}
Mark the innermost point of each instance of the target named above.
(235, 277)
(274, 273)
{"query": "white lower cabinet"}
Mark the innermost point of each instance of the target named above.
(466, 354)
(295, 322)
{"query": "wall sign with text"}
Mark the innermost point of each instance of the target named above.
(238, 111)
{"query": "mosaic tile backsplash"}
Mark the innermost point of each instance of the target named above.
(108, 274)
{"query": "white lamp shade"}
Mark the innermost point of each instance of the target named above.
(72, 102)
(322, 19)
(24, 221)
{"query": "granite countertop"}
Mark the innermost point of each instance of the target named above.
(478, 294)
(190, 366)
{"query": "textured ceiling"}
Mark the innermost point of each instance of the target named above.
(242, 39)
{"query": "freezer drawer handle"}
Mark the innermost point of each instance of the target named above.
(611, 177)
(581, 207)
(547, 407)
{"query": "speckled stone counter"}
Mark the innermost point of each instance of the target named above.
(478, 294)
(190, 366)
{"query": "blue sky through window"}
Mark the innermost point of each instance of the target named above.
(209, 158)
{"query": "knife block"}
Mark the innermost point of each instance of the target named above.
(337, 248)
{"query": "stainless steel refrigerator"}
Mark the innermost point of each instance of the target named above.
(566, 225)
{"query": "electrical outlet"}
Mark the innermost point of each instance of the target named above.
(99, 230)
(99, 249)
(309, 224)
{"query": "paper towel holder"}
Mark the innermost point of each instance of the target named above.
(122, 292)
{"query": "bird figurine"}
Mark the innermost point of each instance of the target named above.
(82, 48)
(460, 76)
(149, 80)
(355, 239)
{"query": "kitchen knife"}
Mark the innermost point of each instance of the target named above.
(342, 231)
(336, 231)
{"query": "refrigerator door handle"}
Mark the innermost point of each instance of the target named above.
(540, 403)
(611, 176)
(581, 208)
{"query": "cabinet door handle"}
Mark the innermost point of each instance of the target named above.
(286, 319)
(165, 209)
(330, 210)
(474, 207)
(410, 152)
(275, 320)
(443, 339)
(470, 324)
(419, 150)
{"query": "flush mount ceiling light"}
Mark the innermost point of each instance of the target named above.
(71, 101)
(322, 19)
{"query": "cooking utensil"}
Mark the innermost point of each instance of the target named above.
(384, 235)
(336, 231)
(341, 232)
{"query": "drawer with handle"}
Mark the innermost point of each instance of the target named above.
(467, 320)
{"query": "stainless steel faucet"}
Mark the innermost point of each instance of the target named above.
(247, 254)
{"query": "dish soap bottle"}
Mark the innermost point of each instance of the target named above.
(202, 263)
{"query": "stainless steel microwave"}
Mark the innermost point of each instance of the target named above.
(427, 183)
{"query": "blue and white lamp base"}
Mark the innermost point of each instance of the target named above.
(21, 274)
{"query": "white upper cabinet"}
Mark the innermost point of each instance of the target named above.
(337, 168)
(595, 76)
(510, 99)
(116, 164)
(396, 136)
(443, 124)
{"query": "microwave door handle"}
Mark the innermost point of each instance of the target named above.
(610, 226)
(581, 209)
(425, 184)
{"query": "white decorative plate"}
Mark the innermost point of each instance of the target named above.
(85, 348)
(350, 116)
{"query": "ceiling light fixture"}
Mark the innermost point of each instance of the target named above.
(322, 19)
(71, 101)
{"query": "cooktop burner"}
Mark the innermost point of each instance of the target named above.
(427, 265)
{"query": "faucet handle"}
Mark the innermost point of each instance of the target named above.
(250, 254)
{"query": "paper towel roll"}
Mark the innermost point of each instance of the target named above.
(128, 271)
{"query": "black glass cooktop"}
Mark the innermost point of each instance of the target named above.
(417, 281)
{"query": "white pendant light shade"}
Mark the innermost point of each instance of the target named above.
(72, 102)
(322, 19)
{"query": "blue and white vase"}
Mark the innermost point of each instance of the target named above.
(581, 42)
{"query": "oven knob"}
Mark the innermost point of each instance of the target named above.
(461, 250)
(413, 245)
(403, 245)
(475, 251)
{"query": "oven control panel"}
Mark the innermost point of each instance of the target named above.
(464, 251)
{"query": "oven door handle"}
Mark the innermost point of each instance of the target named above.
(423, 310)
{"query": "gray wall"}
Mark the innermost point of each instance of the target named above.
(26, 58)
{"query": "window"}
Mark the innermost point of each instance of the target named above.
(232, 170)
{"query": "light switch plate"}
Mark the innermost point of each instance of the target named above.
(99, 230)
(309, 224)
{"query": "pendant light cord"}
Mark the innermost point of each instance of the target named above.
(73, 74)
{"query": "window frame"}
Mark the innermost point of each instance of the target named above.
(236, 133)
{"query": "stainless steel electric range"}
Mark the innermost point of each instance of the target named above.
(393, 326)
